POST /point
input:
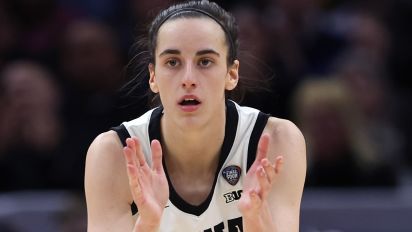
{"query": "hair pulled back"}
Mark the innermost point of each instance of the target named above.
(145, 47)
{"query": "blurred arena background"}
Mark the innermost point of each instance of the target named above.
(341, 70)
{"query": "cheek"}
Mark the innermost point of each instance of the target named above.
(167, 87)
(163, 78)
(164, 87)
(216, 87)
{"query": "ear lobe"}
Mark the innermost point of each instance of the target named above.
(232, 76)
(152, 79)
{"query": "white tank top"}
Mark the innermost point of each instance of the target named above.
(219, 211)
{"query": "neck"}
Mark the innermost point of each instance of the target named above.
(193, 151)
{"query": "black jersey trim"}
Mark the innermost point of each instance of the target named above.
(123, 135)
(260, 124)
(232, 118)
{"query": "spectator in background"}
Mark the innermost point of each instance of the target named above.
(31, 129)
(90, 69)
(90, 59)
(39, 25)
(367, 84)
(362, 67)
(255, 53)
(302, 43)
(340, 153)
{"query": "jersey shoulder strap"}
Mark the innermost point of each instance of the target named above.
(260, 124)
(123, 135)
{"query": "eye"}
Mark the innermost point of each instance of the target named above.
(204, 62)
(172, 62)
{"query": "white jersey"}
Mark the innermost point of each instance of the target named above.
(219, 211)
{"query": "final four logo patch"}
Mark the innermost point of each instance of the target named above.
(231, 174)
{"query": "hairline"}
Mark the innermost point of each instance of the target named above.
(183, 13)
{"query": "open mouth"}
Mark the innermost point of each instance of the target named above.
(189, 102)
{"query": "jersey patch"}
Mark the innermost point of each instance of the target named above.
(231, 174)
(232, 196)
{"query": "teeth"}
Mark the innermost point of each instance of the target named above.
(189, 101)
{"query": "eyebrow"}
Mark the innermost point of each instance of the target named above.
(170, 51)
(199, 53)
(207, 51)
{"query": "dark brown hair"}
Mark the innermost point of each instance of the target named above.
(144, 47)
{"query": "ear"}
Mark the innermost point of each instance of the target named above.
(232, 77)
(152, 79)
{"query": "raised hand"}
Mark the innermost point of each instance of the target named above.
(258, 183)
(148, 185)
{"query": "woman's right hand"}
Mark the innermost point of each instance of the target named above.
(148, 185)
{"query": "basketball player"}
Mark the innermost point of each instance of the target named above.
(198, 162)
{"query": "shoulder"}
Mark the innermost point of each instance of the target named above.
(287, 140)
(105, 164)
(285, 198)
(108, 138)
(104, 145)
(108, 197)
(284, 132)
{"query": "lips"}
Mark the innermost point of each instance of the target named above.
(189, 103)
(189, 100)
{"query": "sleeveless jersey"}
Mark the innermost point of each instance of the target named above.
(219, 211)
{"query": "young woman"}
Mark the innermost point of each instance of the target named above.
(198, 162)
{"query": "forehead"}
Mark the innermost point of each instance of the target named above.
(191, 34)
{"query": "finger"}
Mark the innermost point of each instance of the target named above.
(157, 156)
(137, 167)
(245, 204)
(255, 200)
(262, 149)
(143, 167)
(131, 144)
(134, 181)
(139, 152)
(128, 154)
(279, 164)
(132, 171)
(264, 183)
(269, 170)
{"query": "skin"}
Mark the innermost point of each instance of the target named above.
(193, 65)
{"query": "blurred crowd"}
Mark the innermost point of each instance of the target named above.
(339, 69)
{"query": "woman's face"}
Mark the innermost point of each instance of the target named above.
(191, 72)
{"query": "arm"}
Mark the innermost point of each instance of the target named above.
(107, 191)
(117, 176)
(274, 185)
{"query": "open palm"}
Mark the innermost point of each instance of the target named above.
(148, 185)
(259, 181)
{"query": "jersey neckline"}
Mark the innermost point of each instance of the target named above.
(232, 118)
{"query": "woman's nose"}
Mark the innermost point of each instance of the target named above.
(189, 76)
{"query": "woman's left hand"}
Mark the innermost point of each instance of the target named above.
(258, 183)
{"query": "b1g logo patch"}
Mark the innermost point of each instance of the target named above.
(231, 174)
